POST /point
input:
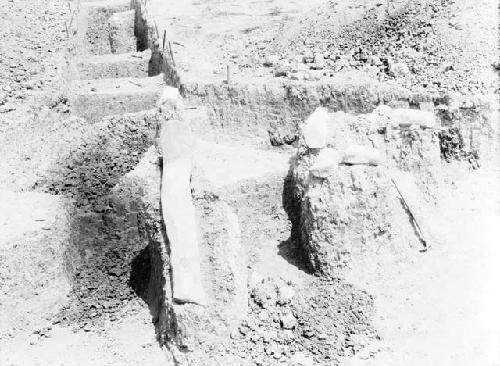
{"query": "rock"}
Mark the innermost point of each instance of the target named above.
(361, 155)
(398, 69)
(288, 321)
(374, 61)
(315, 130)
(265, 295)
(403, 117)
(319, 62)
(308, 58)
(327, 160)
(270, 60)
(285, 294)
(301, 359)
(341, 64)
(170, 100)
(382, 110)
(179, 215)
(282, 69)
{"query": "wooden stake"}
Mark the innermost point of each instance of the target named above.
(228, 76)
(156, 29)
(424, 237)
(171, 53)
(164, 37)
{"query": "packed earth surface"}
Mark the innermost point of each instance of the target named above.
(83, 278)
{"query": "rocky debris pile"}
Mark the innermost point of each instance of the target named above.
(318, 323)
(468, 127)
(343, 181)
(422, 45)
(312, 325)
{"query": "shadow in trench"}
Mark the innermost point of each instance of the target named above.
(291, 249)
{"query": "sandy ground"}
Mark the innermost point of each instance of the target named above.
(442, 307)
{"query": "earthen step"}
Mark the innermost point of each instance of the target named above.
(219, 166)
(95, 35)
(134, 64)
(94, 99)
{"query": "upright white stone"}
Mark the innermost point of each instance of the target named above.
(179, 213)
(315, 130)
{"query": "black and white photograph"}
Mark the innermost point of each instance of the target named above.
(249, 183)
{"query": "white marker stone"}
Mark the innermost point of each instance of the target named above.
(179, 213)
(361, 155)
(315, 130)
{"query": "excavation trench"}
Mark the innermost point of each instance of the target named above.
(113, 92)
(119, 249)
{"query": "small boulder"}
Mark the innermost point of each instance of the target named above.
(327, 160)
(308, 58)
(315, 130)
(319, 62)
(361, 155)
(270, 60)
(288, 321)
(398, 69)
(282, 69)
(170, 100)
(285, 294)
(265, 295)
(301, 359)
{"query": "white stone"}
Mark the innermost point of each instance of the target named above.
(315, 130)
(327, 160)
(382, 110)
(301, 359)
(319, 61)
(170, 100)
(285, 294)
(271, 60)
(179, 213)
(404, 117)
(288, 321)
(398, 69)
(361, 155)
